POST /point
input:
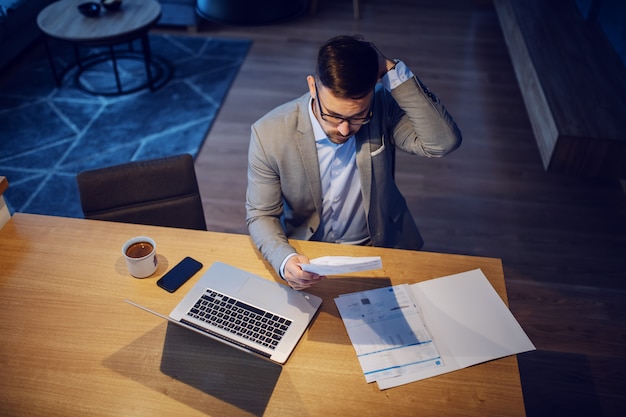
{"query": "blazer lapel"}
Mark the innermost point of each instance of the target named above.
(364, 164)
(308, 152)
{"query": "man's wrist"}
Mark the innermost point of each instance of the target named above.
(396, 76)
(281, 272)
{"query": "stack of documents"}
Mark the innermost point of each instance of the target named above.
(335, 265)
(406, 333)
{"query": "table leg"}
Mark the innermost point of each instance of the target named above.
(147, 58)
(79, 63)
(158, 71)
(118, 83)
(57, 78)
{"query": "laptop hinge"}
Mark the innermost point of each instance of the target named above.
(228, 339)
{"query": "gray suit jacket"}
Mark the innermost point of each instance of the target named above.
(284, 195)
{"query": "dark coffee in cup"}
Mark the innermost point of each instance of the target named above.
(139, 250)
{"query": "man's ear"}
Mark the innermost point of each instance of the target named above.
(311, 82)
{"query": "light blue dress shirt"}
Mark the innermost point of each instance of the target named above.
(343, 216)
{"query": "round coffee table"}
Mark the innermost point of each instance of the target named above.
(62, 21)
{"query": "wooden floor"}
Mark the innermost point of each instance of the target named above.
(562, 239)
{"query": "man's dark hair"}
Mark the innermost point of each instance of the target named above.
(348, 66)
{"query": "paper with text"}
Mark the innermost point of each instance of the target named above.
(387, 332)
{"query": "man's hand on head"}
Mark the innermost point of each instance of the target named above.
(384, 64)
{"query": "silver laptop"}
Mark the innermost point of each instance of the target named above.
(245, 311)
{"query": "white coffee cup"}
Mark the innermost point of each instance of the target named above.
(140, 255)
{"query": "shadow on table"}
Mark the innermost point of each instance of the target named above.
(223, 373)
(231, 375)
(328, 327)
(334, 286)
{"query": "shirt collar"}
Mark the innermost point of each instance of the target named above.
(318, 132)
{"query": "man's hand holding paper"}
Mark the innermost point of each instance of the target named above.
(301, 273)
(296, 276)
(337, 265)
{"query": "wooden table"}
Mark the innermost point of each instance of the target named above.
(61, 20)
(71, 346)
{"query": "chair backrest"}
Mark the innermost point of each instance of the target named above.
(159, 192)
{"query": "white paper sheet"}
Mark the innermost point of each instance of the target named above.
(336, 265)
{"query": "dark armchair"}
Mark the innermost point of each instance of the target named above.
(159, 192)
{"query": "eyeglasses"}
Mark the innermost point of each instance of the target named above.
(336, 120)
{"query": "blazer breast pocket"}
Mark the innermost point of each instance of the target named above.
(381, 149)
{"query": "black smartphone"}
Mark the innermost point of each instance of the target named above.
(179, 274)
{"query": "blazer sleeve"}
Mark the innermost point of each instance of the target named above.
(422, 125)
(264, 206)
(283, 181)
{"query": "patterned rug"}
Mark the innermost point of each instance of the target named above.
(48, 134)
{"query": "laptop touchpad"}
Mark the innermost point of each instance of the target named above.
(255, 291)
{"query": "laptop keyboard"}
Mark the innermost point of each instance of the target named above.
(240, 319)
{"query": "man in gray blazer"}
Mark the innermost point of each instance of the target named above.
(321, 167)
